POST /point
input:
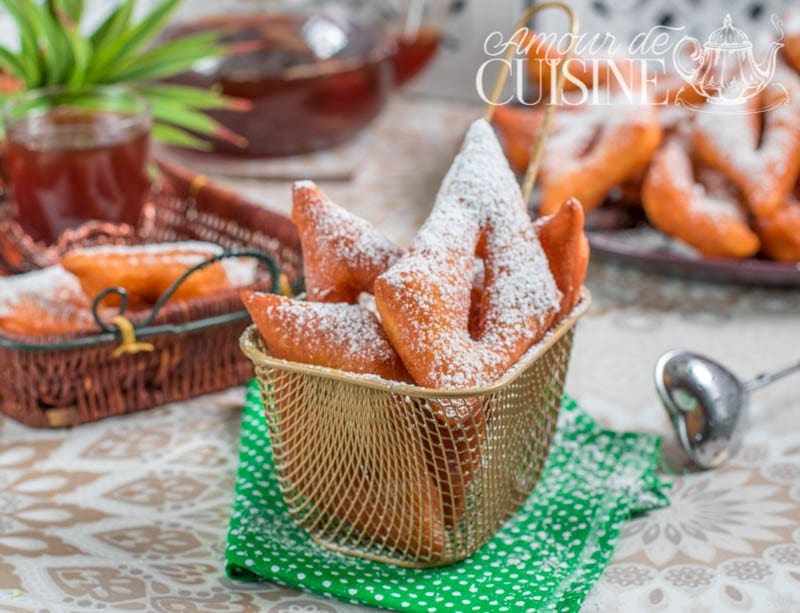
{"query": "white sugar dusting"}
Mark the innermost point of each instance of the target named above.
(353, 331)
(433, 280)
(709, 196)
(206, 249)
(733, 137)
(239, 271)
(52, 283)
(572, 140)
(344, 238)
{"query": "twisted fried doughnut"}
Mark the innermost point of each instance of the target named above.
(764, 169)
(146, 271)
(342, 253)
(704, 217)
(595, 151)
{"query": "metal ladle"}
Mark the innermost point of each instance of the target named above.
(707, 404)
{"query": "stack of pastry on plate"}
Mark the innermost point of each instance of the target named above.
(723, 181)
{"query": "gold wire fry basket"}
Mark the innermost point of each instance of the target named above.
(407, 475)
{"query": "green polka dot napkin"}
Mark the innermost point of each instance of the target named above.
(546, 557)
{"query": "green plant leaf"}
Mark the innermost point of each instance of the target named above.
(28, 40)
(54, 45)
(195, 97)
(175, 136)
(71, 8)
(81, 49)
(189, 119)
(112, 28)
(12, 64)
(133, 38)
(165, 60)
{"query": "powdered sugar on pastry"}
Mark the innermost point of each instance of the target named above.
(336, 335)
(599, 148)
(765, 169)
(342, 253)
(424, 298)
(705, 215)
(52, 283)
(240, 271)
(43, 302)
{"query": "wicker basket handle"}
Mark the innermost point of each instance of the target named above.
(120, 330)
(122, 293)
(519, 29)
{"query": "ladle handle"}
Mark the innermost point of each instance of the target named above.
(765, 379)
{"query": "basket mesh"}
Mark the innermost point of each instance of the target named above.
(397, 473)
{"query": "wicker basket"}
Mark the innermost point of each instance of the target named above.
(403, 474)
(43, 385)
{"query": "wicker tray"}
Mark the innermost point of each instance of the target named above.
(68, 380)
(403, 474)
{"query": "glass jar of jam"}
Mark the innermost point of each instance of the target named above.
(315, 73)
(72, 158)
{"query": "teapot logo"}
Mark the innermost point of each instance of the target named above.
(725, 71)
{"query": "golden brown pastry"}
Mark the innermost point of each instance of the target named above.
(425, 300)
(335, 335)
(518, 128)
(596, 150)
(342, 253)
(42, 303)
(147, 271)
(704, 216)
(567, 250)
(780, 232)
(764, 166)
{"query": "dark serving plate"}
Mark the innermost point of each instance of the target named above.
(621, 234)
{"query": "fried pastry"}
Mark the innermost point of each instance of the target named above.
(595, 151)
(335, 335)
(425, 299)
(780, 232)
(147, 271)
(567, 249)
(518, 128)
(764, 167)
(43, 302)
(342, 253)
(704, 216)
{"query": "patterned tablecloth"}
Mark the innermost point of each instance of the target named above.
(130, 514)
